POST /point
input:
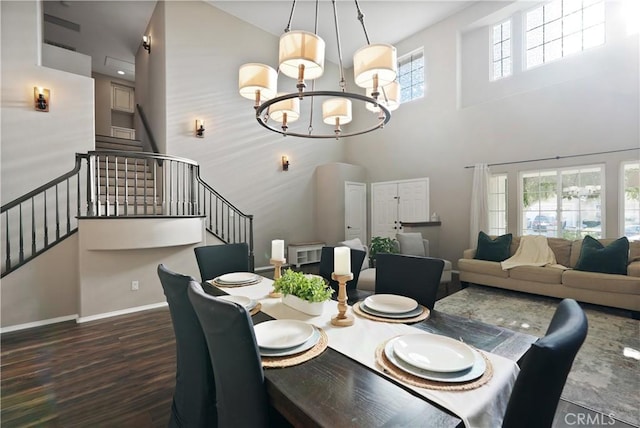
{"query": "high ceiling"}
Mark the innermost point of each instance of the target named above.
(111, 31)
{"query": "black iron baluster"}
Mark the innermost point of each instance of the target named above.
(135, 188)
(126, 186)
(170, 186)
(21, 250)
(144, 192)
(155, 187)
(116, 202)
(69, 207)
(46, 226)
(33, 226)
(8, 241)
(106, 183)
(57, 215)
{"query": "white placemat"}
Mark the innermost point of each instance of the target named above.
(481, 407)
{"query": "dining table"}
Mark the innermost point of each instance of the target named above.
(344, 386)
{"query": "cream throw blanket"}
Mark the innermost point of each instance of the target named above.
(533, 251)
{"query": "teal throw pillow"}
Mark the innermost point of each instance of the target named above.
(595, 257)
(493, 250)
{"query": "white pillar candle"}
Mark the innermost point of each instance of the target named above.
(277, 249)
(341, 260)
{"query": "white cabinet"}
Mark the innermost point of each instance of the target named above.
(393, 202)
(126, 133)
(302, 254)
(122, 98)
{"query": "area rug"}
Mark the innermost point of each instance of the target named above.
(605, 376)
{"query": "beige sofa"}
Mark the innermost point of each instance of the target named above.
(620, 291)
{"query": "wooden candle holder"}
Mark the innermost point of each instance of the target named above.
(277, 273)
(342, 319)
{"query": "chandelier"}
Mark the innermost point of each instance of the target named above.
(301, 57)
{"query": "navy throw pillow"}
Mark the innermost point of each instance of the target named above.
(595, 257)
(493, 250)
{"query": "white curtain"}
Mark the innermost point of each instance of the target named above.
(479, 202)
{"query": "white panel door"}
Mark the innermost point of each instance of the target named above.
(355, 211)
(414, 200)
(384, 209)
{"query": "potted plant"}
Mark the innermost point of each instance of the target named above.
(381, 245)
(303, 292)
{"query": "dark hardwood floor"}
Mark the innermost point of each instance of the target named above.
(117, 372)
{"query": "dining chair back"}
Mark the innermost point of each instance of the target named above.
(194, 397)
(409, 276)
(544, 369)
(240, 390)
(216, 260)
(326, 269)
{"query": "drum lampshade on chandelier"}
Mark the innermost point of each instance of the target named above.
(301, 57)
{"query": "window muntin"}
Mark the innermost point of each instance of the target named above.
(411, 76)
(563, 27)
(631, 200)
(498, 204)
(565, 203)
(502, 50)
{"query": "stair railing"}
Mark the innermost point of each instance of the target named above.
(112, 183)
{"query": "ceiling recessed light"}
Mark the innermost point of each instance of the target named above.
(120, 72)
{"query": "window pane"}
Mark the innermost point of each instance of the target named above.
(417, 63)
(497, 70)
(569, 6)
(553, 31)
(594, 15)
(417, 76)
(534, 56)
(497, 52)
(497, 34)
(552, 10)
(404, 67)
(572, 44)
(405, 81)
(506, 30)
(553, 50)
(534, 38)
(506, 67)
(506, 48)
(417, 91)
(534, 18)
(594, 36)
(572, 24)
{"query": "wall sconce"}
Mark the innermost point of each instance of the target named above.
(41, 98)
(199, 128)
(146, 43)
(285, 163)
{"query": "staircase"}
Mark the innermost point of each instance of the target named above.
(118, 179)
(140, 194)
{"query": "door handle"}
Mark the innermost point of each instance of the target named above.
(348, 227)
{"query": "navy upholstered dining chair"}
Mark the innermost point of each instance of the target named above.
(326, 269)
(544, 369)
(194, 397)
(216, 260)
(410, 276)
(240, 390)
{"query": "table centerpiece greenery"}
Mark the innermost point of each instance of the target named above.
(302, 291)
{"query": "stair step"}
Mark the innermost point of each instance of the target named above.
(131, 191)
(113, 143)
(131, 175)
(131, 183)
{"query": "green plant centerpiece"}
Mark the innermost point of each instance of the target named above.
(381, 245)
(311, 288)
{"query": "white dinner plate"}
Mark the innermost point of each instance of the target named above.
(390, 303)
(295, 350)
(433, 352)
(414, 313)
(241, 300)
(281, 334)
(237, 277)
(477, 370)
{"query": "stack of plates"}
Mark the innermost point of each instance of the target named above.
(390, 306)
(248, 303)
(279, 338)
(237, 279)
(433, 357)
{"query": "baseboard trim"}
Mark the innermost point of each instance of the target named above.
(40, 323)
(80, 320)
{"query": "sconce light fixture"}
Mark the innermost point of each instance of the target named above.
(285, 163)
(41, 98)
(199, 128)
(146, 43)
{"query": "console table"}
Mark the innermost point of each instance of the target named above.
(304, 253)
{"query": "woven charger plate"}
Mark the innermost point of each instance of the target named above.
(217, 284)
(423, 316)
(295, 359)
(255, 309)
(400, 374)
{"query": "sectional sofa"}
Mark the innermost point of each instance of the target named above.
(615, 290)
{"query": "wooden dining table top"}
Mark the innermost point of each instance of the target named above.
(333, 390)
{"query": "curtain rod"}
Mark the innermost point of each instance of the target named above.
(558, 157)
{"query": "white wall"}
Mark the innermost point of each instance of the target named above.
(237, 156)
(585, 104)
(37, 146)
